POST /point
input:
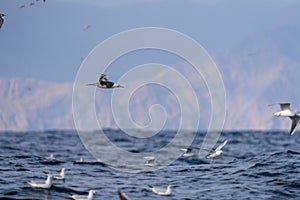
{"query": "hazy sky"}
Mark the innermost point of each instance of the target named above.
(47, 40)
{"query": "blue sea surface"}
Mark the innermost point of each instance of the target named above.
(255, 165)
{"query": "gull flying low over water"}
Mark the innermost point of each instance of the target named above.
(1, 19)
(105, 83)
(187, 152)
(150, 161)
(42, 185)
(287, 112)
(215, 153)
(80, 197)
(160, 191)
(60, 176)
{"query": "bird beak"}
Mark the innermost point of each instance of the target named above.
(277, 114)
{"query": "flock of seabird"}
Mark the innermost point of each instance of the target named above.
(30, 4)
(187, 152)
(61, 176)
(21, 6)
(104, 83)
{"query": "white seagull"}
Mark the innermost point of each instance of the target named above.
(51, 157)
(60, 176)
(215, 153)
(42, 185)
(187, 152)
(160, 191)
(150, 161)
(89, 197)
(105, 83)
(287, 112)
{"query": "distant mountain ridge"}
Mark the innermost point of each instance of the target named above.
(260, 71)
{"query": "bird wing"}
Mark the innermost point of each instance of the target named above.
(1, 21)
(122, 195)
(208, 150)
(285, 106)
(221, 145)
(109, 84)
(188, 150)
(295, 119)
(103, 78)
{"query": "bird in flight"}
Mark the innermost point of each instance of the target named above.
(1, 19)
(215, 153)
(105, 83)
(287, 112)
(187, 152)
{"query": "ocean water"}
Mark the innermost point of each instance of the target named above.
(262, 165)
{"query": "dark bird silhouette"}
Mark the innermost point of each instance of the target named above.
(122, 195)
(105, 83)
(1, 19)
(87, 27)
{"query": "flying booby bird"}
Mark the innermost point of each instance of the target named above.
(215, 153)
(287, 112)
(105, 83)
(1, 19)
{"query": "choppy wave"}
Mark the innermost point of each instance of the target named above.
(254, 165)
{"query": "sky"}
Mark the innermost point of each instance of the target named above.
(48, 41)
